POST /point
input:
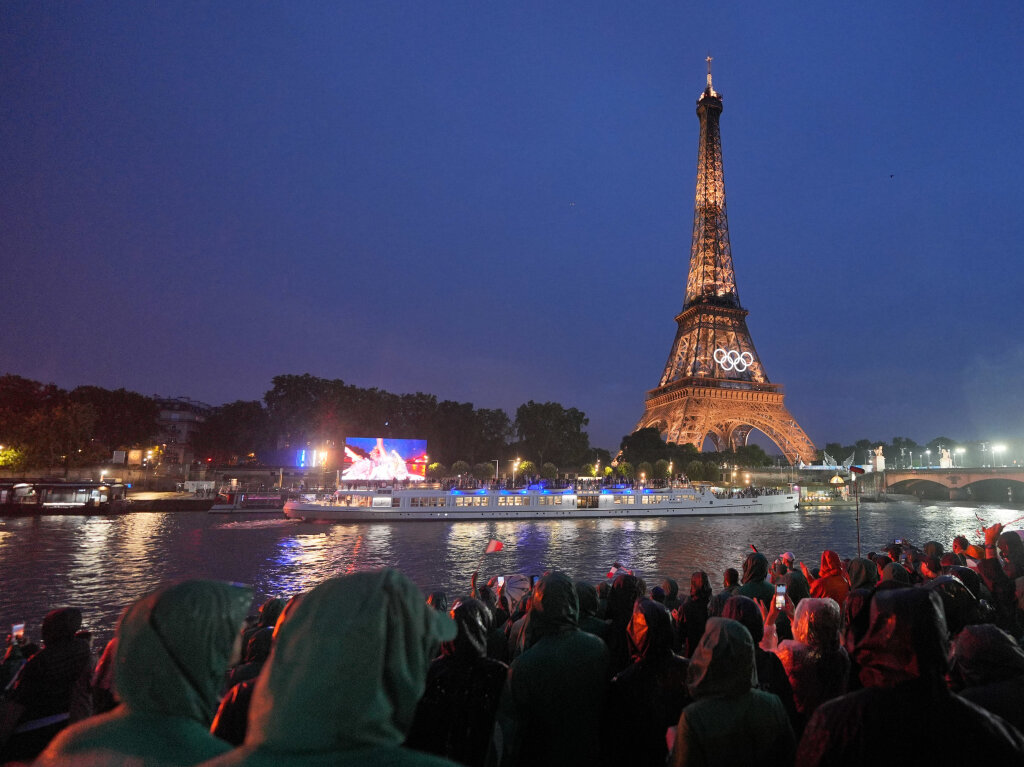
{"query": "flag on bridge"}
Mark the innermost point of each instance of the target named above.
(493, 546)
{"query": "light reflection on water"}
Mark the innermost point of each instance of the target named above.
(102, 564)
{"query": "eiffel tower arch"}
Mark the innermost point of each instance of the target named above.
(713, 385)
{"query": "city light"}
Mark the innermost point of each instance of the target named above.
(997, 453)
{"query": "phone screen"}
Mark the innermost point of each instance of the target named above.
(780, 596)
(501, 581)
(17, 629)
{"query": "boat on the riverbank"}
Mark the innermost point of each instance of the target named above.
(231, 500)
(387, 504)
(28, 497)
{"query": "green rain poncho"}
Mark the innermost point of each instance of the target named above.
(173, 649)
(729, 723)
(342, 683)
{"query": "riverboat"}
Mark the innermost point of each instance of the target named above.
(230, 500)
(387, 504)
(32, 497)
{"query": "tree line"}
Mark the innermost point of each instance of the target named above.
(42, 425)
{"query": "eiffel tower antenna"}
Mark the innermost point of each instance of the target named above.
(713, 384)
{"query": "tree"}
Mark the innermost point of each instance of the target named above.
(527, 468)
(436, 471)
(461, 468)
(751, 456)
(644, 445)
(695, 471)
(483, 471)
(61, 433)
(661, 469)
(123, 418)
(548, 471)
(20, 398)
(625, 470)
(644, 470)
(233, 430)
(12, 458)
(548, 431)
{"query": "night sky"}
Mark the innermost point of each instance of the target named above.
(493, 202)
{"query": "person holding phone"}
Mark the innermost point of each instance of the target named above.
(50, 692)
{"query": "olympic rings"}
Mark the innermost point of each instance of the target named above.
(733, 360)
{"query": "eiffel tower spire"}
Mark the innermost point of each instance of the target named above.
(713, 384)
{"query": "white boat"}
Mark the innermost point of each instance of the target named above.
(386, 504)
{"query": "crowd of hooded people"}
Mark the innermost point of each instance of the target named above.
(905, 654)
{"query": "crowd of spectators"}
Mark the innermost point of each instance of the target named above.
(908, 654)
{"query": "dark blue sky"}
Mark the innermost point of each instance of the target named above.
(493, 202)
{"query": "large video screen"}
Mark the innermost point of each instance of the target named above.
(377, 458)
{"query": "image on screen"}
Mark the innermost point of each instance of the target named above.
(378, 458)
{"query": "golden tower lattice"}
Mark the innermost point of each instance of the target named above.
(714, 385)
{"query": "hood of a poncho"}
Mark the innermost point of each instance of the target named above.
(723, 663)
(906, 639)
(649, 631)
(348, 667)
(174, 647)
(755, 567)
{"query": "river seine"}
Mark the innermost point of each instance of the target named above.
(100, 564)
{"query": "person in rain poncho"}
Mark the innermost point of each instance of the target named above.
(729, 723)
(550, 709)
(347, 669)
(172, 651)
(755, 585)
(833, 582)
(987, 668)
(650, 694)
(816, 663)
(905, 710)
(50, 691)
(455, 716)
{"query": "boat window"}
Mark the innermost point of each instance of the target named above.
(425, 501)
(650, 499)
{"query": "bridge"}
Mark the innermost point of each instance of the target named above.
(996, 482)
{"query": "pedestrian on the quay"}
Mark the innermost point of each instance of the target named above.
(348, 667)
(51, 690)
(905, 703)
(552, 705)
(650, 694)
(173, 649)
(729, 723)
(455, 716)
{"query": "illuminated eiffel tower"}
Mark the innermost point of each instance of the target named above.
(713, 384)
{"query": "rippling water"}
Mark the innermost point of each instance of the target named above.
(100, 564)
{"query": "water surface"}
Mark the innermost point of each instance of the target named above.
(101, 564)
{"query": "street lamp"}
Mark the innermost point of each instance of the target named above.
(929, 454)
(643, 478)
(960, 452)
(495, 462)
(515, 465)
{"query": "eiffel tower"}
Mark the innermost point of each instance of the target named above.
(714, 385)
